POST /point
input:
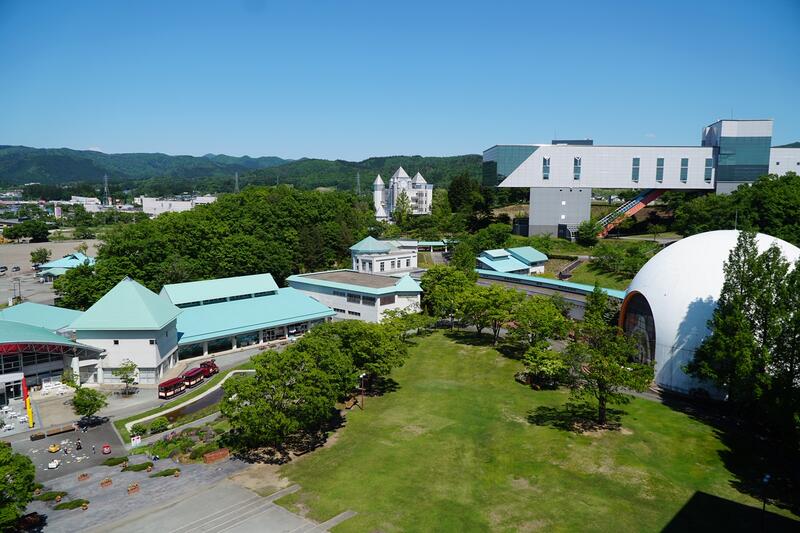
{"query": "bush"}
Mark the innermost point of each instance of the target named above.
(72, 504)
(137, 468)
(50, 496)
(165, 473)
(158, 425)
(587, 233)
(115, 461)
(138, 430)
(202, 449)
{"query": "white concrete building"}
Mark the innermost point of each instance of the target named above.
(416, 189)
(359, 295)
(384, 257)
(156, 206)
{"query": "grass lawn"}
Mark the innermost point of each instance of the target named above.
(453, 450)
(588, 274)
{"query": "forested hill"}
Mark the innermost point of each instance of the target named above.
(166, 174)
(21, 164)
(342, 174)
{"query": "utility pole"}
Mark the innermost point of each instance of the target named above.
(236, 182)
(358, 183)
(106, 194)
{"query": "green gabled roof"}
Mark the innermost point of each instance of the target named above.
(528, 254)
(503, 264)
(128, 306)
(44, 316)
(17, 332)
(371, 244)
(211, 289)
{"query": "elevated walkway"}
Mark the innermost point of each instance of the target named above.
(628, 209)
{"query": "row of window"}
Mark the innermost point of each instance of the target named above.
(635, 164)
(364, 300)
(366, 266)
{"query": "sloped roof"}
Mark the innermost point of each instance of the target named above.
(40, 315)
(370, 244)
(503, 264)
(496, 254)
(128, 306)
(380, 212)
(69, 261)
(17, 332)
(55, 272)
(287, 306)
(211, 289)
(418, 178)
(400, 173)
(527, 254)
(378, 180)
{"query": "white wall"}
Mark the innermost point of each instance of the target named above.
(783, 160)
(367, 313)
(402, 255)
(611, 167)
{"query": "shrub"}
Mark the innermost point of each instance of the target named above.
(158, 425)
(115, 461)
(137, 468)
(165, 473)
(138, 430)
(50, 495)
(72, 504)
(202, 449)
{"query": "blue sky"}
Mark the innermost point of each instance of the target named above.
(354, 79)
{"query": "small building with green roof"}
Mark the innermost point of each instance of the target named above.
(371, 255)
(525, 260)
(359, 295)
(131, 322)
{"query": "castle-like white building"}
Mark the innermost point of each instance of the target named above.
(419, 193)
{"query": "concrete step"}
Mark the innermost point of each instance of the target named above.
(221, 514)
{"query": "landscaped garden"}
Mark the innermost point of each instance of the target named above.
(461, 446)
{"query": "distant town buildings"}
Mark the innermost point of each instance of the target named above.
(416, 189)
(156, 206)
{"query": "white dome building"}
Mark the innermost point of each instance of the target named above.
(669, 302)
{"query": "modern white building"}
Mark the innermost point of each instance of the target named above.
(524, 260)
(359, 295)
(156, 206)
(384, 257)
(416, 189)
(561, 175)
(670, 301)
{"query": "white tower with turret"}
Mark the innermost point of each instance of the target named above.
(419, 193)
(379, 199)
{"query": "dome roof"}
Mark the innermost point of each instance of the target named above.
(681, 285)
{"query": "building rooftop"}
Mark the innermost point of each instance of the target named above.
(496, 254)
(69, 261)
(44, 316)
(212, 289)
(550, 282)
(127, 306)
(503, 264)
(287, 306)
(362, 282)
(17, 332)
(528, 254)
(371, 245)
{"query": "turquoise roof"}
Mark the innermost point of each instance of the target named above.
(430, 243)
(403, 284)
(55, 271)
(549, 282)
(69, 261)
(17, 332)
(211, 289)
(496, 254)
(527, 254)
(371, 245)
(287, 306)
(44, 316)
(128, 306)
(503, 264)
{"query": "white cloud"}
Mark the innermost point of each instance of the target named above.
(650, 135)
(95, 149)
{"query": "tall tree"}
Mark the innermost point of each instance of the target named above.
(87, 402)
(17, 475)
(402, 210)
(40, 255)
(441, 289)
(126, 372)
(537, 320)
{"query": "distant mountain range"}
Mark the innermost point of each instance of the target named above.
(21, 164)
(52, 166)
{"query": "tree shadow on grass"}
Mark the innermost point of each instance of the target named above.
(749, 453)
(382, 385)
(576, 417)
(471, 338)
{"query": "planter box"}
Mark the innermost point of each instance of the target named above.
(83, 477)
(106, 483)
(216, 455)
(37, 436)
(133, 490)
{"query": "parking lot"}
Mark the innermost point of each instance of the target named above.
(25, 281)
(74, 460)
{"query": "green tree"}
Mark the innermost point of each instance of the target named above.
(69, 378)
(402, 210)
(82, 248)
(325, 347)
(17, 475)
(656, 229)
(87, 402)
(463, 193)
(158, 425)
(441, 289)
(537, 319)
(403, 321)
(287, 395)
(473, 307)
(546, 368)
(40, 256)
(374, 349)
(126, 372)
(587, 233)
(501, 303)
(138, 429)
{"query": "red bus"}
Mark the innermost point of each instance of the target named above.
(193, 377)
(171, 387)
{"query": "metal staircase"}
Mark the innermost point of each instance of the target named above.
(629, 208)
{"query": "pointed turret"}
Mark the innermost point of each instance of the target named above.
(378, 181)
(400, 173)
(418, 179)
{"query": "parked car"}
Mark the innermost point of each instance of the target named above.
(3, 268)
(55, 463)
(15, 269)
(54, 448)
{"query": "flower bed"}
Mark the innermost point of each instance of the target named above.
(50, 496)
(72, 504)
(138, 468)
(115, 461)
(166, 473)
